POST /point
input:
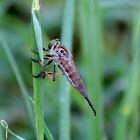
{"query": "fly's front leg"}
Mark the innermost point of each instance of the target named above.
(48, 55)
(45, 49)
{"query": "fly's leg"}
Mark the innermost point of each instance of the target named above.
(48, 63)
(44, 65)
(47, 58)
(56, 73)
(48, 55)
(45, 73)
(54, 76)
(45, 49)
(42, 73)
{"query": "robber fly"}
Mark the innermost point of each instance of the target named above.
(64, 60)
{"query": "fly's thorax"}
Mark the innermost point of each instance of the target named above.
(60, 52)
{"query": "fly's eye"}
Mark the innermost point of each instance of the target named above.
(50, 44)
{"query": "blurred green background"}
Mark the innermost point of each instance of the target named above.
(117, 68)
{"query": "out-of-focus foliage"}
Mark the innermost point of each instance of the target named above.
(15, 27)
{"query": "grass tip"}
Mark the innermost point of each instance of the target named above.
(3, 123)
(35, 6)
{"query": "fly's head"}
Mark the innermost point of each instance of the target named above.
(58, 51)
(53, 44)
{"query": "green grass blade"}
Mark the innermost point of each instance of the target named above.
(119, 4)
(132, 94)
(5, 127)
(66, 40)
(36, 69)
(92, 49)
(135, 120)
(18, 77)
(38, 36)
(67, 24)
(46, 130)
(135, 112)
(1, 133)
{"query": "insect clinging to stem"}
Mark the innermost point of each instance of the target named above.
(64, 60)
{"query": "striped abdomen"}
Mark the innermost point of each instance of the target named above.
(70, 70)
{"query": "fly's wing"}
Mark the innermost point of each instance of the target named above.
(73, 75)
(78, 82)
(71, 71)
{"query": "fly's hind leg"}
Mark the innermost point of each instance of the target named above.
(54, 75)
(45, 73)
(39, 75)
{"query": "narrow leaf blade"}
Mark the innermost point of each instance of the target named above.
(7, 129)
(38, 36)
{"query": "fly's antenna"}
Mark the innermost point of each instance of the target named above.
(90, 105)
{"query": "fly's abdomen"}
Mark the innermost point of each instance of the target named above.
(73, 76)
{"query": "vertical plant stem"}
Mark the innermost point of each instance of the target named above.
(135, 113)
(135, 119)
(132, 94)
(91, 41)
(66, 40)
(1, 133)
(46, 130)
(36, 69)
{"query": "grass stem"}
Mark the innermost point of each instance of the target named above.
(36, 69)
(132, 93)
(66, 40)
(91, 41)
